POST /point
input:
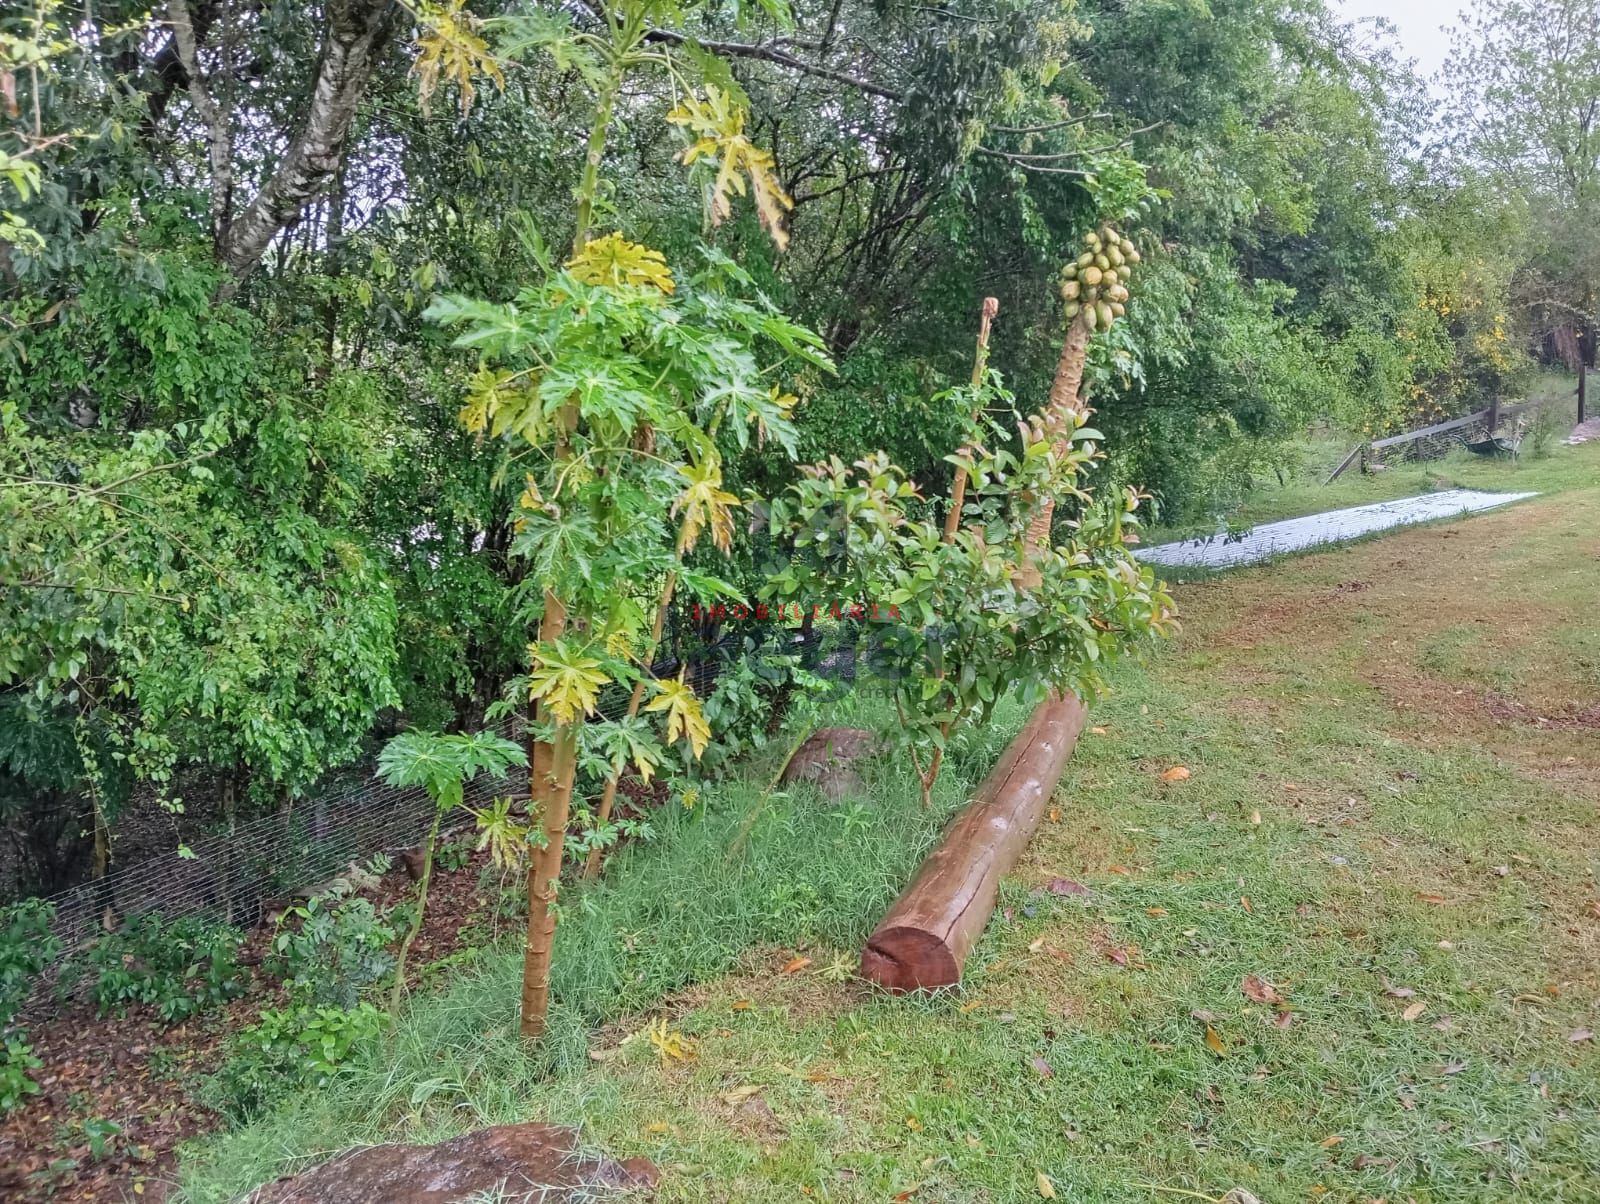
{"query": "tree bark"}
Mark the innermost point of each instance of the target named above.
(551, 770)
(1064, 399)
(357, 34)
(924, 940)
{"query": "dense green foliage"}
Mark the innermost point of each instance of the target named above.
(244, 534)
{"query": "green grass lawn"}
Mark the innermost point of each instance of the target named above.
(1354, 956)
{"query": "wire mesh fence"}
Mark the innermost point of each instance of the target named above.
(241, 876)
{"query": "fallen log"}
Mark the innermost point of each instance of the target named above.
(924, 940)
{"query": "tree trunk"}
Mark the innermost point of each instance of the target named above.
(357, 34)
(924, 940)
(1065, 399)
(551, 769)
(1585, 350)
(426, 879)
(556, 765)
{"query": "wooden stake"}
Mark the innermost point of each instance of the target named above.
(980, 364)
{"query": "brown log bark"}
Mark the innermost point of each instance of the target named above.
(924, 940)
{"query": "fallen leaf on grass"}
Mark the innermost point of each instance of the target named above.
(1283, 1019)
(1155, 911)
(971, 1006)
(1255, 818)
(1047, 1189)
(1065, 886)
(1244, 902)
(739, 1094)
(1215, 1043)
(1580, 1034)
(1415, 1010)
(1117, 954)
(1434, 899)
(1046, 1071)
(1394, 992)
(1035, 946)
(1097, 731)
(1257, 988)
(1119, 869)
(909, 1192)
(1329, 1142)
(795, 966)
(741, 1005)
(1177, 773)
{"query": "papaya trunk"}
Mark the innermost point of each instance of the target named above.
(1065, 399)
(544, 877)
(549, 799)
(608, 797)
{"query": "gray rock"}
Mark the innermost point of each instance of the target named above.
(829, 758)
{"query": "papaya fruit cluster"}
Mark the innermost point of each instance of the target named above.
(1095, 285)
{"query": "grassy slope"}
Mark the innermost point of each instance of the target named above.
(1305, 492)
(1396, 770)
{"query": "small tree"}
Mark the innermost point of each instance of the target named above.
(615, 385)
(985, 604)
(442, 766)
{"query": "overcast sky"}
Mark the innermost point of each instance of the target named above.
(1418, 26)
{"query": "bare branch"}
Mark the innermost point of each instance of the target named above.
(219, 129)
(769, 53)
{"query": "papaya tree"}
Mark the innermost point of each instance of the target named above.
(443, 765)
(986, 604)
(613, 386)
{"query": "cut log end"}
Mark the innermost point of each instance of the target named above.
(909, 959)
(923, 941)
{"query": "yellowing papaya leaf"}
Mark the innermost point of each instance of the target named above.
(684, 717)
(450, 48)
(613, 260)
(717, 125)
(565, 681)
(704, 503)
(670, 1046)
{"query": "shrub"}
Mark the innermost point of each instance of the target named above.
(16, 1080)
(180, 967)
(330, 947)
(302, 1044)
(27, 946)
